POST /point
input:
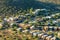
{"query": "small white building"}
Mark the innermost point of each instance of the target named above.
(52, 15)
(5, 19)
(11, 24)
(32, 22)
(32, 27)
(48, 17)
(44, 37)
(27, 14)
(55, 28)
(58, 19)
(31, 32)
(53, 38)
(48, 37)
(34, 34)
(59, 28)
(18, 29)
(50, 26)
(24, 31)
(57, 13)
(55, 21)
(11, 18)
(39, 35)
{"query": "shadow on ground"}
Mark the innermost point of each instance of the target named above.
(26, 4)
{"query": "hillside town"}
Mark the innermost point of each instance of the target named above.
(31, 26)
(29, 19)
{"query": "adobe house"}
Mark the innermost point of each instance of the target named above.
(1, 25)
(45, 28)
(44, 37)
(58, 34)
(53, 38)
(48, 37)
(40, 35)
(24, 26)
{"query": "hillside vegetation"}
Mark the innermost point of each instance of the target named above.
(14, 6)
